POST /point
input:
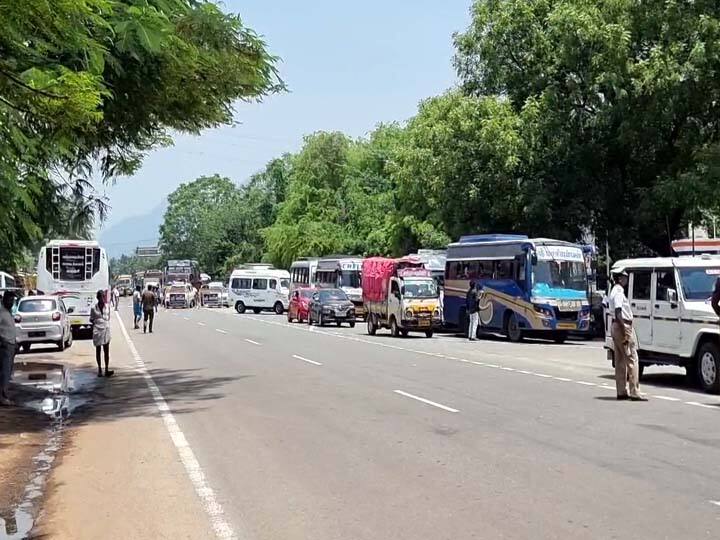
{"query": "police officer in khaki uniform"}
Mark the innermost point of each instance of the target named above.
(625, 342)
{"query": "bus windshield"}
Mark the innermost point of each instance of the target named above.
(349, 278)
(552, 277)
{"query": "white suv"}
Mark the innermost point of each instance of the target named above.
(673, 319)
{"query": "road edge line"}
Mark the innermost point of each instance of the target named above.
(212, 507)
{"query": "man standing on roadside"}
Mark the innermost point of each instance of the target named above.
(471, 304)
(116, 297)
(625, 342)
(8, 345)
(148, 306)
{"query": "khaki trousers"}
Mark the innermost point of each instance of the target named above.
(626, 359)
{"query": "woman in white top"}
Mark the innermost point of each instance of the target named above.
(100, 319)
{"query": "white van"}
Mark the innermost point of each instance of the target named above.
(259, 287)
(672, 316)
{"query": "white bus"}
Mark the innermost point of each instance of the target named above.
(74, 270)
(7, 282)
(259, 287)
(342, 272)
(302, 273)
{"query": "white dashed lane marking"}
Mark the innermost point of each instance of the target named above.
(251, 341)
(427, 401)
(477, 363)
(306, 360)
(220, 331)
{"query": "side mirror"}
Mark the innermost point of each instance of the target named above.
(533, 258)
(71, 309)
(672, 295)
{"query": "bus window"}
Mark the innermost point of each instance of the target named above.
(259, 284)
(504, 270)
(486, 270)
(273, 284)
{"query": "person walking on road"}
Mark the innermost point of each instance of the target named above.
(471, 303)
(100, 319)
(8, 346)
(116, 297)
(148, 306)
(137, 306)
(625, 342)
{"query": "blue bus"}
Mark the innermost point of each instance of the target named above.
(528, 287)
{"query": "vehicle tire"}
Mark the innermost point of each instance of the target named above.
(404, 333)
(256, 310)
(61, 345)
(320, 322)
(279, 309)
(641, 370)
(352, 324)
(708, 367)
(429, 334)
(289, 318)
(309, 321)
(192, 304)
(560, 338)
(69, 341)
(371, 327)
(240, 307)
(394, 329)
(512, 328)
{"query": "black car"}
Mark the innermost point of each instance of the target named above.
(331, 305)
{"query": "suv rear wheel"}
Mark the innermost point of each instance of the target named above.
(708, 366)
(240, 307)
(279, 309)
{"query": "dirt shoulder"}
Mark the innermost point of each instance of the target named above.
(119, 475)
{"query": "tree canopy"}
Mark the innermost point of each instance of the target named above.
(90, 86)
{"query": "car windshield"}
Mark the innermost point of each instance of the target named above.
(698, 283)
(333, 295)
(36, 306)
(426, 288)
(559, 274)
(306, 294)
(349, 278)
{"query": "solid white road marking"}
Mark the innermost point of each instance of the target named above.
(696, 404)
(212, 507)
(201, 324)
(220, 331)
(563, 379)
(667, 398)
(716, 503)
(438, 405)
(307, 360)
(251, 341)
(585, 383)
(186, 318)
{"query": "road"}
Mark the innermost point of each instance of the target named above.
(333, 434)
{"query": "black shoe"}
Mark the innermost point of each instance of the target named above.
(624, 397)
(638, 398)
(100, 373)
(109, 373)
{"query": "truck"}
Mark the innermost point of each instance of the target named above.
(124, 284)
(401, 295)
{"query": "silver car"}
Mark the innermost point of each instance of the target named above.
(43, 319)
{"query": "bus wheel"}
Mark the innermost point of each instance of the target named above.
(560, 338)
(240, 307)
(428, 333)
(371, 328)
(279, 309)
(512, 328)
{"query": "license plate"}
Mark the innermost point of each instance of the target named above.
(568, 305)
(424, 322)
(76, 321)
(566, 326)
(340, 313)
(36, 334)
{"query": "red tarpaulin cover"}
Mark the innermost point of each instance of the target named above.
(376, 274)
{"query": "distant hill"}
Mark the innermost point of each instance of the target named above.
(123, 237)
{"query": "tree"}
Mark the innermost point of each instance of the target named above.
(103, 82)
(619, 107)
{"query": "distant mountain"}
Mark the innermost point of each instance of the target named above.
(123, 237)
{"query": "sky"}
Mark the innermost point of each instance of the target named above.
(348, 67)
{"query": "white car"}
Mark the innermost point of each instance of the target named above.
(43, 319)
(180, 295)
(672, 315)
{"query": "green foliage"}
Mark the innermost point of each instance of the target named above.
(129, 264)
(90, 84)
(619, 102)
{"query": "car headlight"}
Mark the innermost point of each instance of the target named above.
(409, 313)
(436, 313)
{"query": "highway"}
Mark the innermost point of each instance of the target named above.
(309, 433)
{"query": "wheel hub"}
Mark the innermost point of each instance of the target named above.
(708, 368)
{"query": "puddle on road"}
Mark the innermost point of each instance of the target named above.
(56, 392)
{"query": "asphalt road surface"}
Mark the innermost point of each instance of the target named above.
(333, 434)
